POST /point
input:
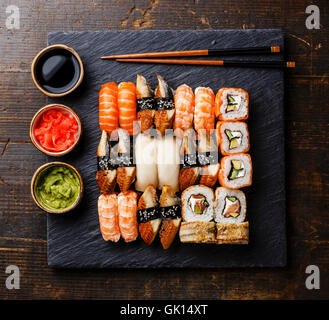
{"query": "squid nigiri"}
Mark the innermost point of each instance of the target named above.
(164, 99)
(204, 112)
(184, 108)
(127, 208)
(108, 107)
(145, 103)
(108, 217)
(127, 106)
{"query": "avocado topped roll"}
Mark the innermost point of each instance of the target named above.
(230, 206)
(232, 104)
(232, 137)
(197, 203)
(235, 171)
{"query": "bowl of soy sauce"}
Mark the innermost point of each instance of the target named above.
(57, 70)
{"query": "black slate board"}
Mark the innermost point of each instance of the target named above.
(74, 240)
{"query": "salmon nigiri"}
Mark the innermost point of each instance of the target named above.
(108, 217)
(184, 106)
(127, 106)
(108, 107)
(127, 208)
(204, 111)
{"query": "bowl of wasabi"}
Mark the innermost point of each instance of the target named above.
(57, 187)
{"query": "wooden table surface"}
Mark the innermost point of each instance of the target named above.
(23, 239)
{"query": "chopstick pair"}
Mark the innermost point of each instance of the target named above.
(140, 57)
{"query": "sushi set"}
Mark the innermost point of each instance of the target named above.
(157, 165)
(165, 141)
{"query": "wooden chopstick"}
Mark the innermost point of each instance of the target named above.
(224, 63)
(206, 52)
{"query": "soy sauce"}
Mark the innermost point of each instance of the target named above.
(57, 71)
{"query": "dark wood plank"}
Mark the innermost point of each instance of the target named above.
(23, 226)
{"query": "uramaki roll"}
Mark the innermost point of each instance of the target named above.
(232, 104)
(230, 206)
(235, 171)
(232, 137)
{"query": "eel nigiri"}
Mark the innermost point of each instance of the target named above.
(108, 217)
(146, 162)
(165, 110)
(125, 173)
(184, 108)
(190, 171)
(106, 174)
(208, 155)
(204, 111)
(127, 106)
(108, 107)
(127, 209)
(149, 229)
(145, 103)
(168, 161)
(169, 226)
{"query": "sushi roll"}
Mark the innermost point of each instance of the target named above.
(232, 137)
(232, 104)
(148, 215)
(197, 204)
(232, 233)
(168, 162)
(198, 232)
(145, 103)
(230, 206)
(127, 213)
(235, 171)
(127, 106)
(190, 171)
(165, 107)
(106, 172)
(146, 162)
(204, 110)
(108, 217)
(171, 216)
(184, 109)
(108, 107)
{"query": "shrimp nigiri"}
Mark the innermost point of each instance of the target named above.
(108, 107)
(204, 112)
(184, 106)
(108, 217)
(127, 106)
(127, 208)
